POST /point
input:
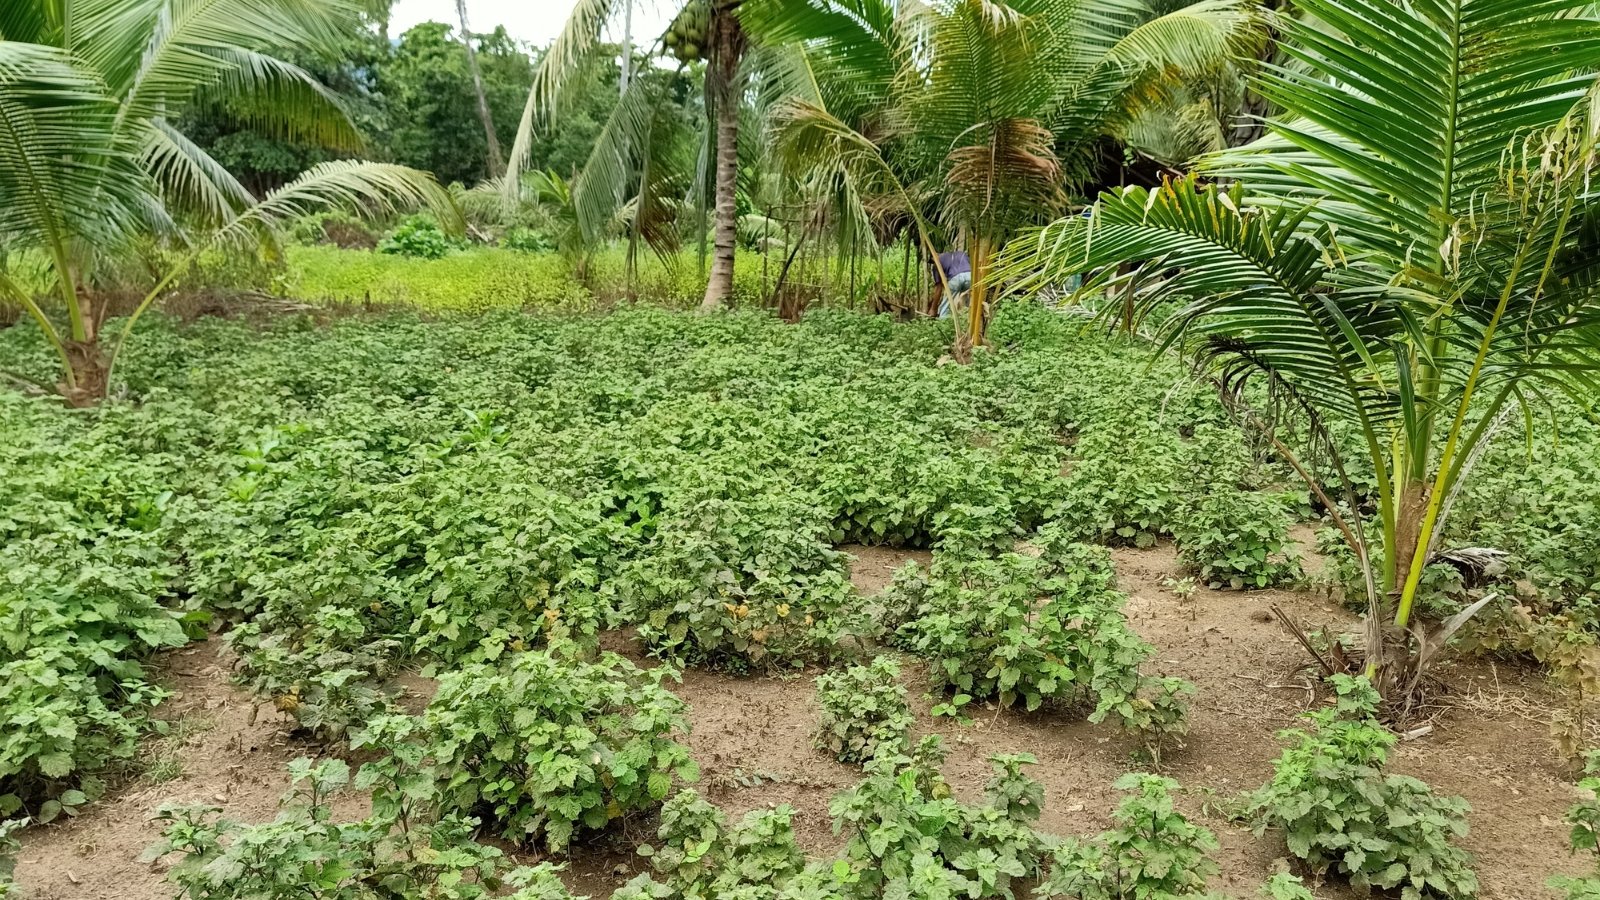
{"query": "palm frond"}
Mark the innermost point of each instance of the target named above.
(66, 179)
(189, 179)
(563, 59)
(1411, 137)
(604, 181)
(279, 99)
(362, 188)
(1249, 285)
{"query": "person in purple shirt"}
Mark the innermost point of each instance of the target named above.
(957, 267)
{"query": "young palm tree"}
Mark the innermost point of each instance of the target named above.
(996, 107)
(90, 159)
(1408, 254)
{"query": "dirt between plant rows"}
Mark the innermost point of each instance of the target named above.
(752, 738)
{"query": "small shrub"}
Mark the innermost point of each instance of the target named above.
(863, 709)
(1154, 853)
(1158, 712)
(1024, 630)
(546, 743)
(527, 240)
(303, 850)
(1122, 486)
(739, 583)
(909, 836)
(1338, 810)
(1236, 539)
(701, 858)
(419, 237)
(1584, 817)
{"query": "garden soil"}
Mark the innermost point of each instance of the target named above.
(752, 739)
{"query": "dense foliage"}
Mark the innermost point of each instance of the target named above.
(404, 849)
(349, 497)
(547, 743)
(1040, 625)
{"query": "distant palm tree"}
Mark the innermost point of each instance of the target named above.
(993, 108)
(90, 160)
(1410, 253)
(622, 155)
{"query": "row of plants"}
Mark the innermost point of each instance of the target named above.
(462, 494)
(905, 830)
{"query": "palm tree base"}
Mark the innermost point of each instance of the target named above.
(90, 371)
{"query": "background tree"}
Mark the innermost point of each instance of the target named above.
(90, 164)
(428, 84)
(1412, 253)
(497, 160)
(625, 168)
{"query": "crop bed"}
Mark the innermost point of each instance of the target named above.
(415, 545)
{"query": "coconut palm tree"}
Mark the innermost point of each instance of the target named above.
(1407, 255)
(90, 159)
(623, 164)
(996, 108)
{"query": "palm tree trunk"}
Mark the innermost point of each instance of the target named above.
(627, 47)
(497, 161)
(727, 46)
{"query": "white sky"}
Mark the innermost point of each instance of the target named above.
(534, 21)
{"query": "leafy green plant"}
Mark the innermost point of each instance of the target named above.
(1102, 501)
(417, 236)
(1338, 810)
(75, 624)
(1158, 712)
(1153, 853)
(9, 848)
(701, 858)
(1284, 886)
(1236, 539)
(303, 850)
(908, 832)
(737, 582)
(546, 743)
(1024, 629)
(863, 711)
(1584, 817)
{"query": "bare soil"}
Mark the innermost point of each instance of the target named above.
(752, 739)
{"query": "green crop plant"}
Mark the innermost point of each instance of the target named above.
(549, 743)
(303, 849)
(1338, 809)
(863, 711)
(1584, 836)
(1026, 629)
